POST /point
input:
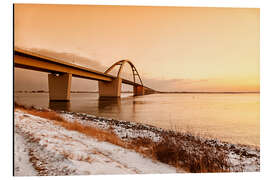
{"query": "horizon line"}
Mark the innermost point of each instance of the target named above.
(37, 91)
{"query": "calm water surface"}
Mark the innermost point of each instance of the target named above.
(229, 117)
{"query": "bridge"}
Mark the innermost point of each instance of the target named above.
(61, 72)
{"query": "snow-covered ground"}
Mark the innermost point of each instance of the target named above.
(43, 148)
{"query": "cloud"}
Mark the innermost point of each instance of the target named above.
(72, 58)
(172, 84)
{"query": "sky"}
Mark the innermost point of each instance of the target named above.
(173, 48)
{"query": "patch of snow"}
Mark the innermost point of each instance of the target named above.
(120, 131)
(243, 164)
(68, 117)
(23, 167)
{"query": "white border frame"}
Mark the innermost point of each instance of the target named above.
(7, 81)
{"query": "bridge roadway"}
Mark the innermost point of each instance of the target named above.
(33, 61)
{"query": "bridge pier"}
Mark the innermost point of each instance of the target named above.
(59, 86)
(110, 89)
(138, 90)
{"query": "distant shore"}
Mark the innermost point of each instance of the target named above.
(158, 92)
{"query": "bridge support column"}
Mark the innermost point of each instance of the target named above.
(110, 89)
(138, 90)
(59, 86)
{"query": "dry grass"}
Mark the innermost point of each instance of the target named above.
(173, 149)
(99, 134)
(48, 114)
(197, 158)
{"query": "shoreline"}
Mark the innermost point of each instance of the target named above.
(143, 126)
(239, 154)
(181, 149)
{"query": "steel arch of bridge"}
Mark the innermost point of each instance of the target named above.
(121, 63)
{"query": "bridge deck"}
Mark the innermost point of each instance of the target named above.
(33, 61)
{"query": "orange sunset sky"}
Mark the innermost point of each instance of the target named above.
(173, 48)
